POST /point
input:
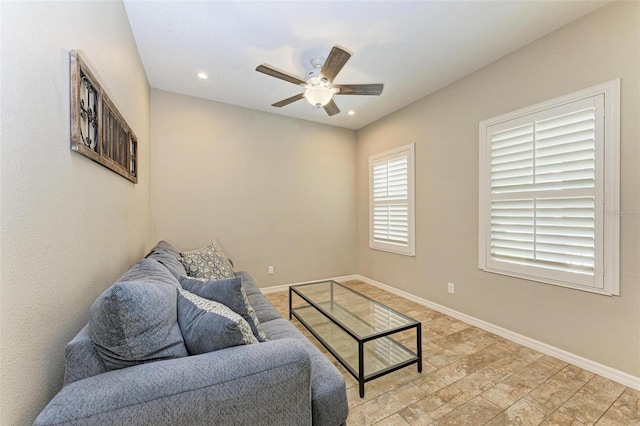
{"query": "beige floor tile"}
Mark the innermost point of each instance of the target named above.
(624, 411)
(384, 405)
(550, 395)
(455, 371)
(434, 381)
(442, 358)
(538, 372)
(381, 385)
(509, 363)
(585, 407)
(520, 413)
(559, 419)
(508, 391)
(474, 362)
(528, 354)
(554, 360)
(423, 412)
(573, 377)
(477, 411)
(471, 386)
(604, 390)
(474, 345)
(502, 347)
(394, 420)
(462, 336)
(426, 316)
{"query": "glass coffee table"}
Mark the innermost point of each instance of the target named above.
(355, 329)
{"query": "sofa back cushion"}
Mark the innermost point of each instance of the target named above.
(149, 271)
(135, 320)
(169, 257)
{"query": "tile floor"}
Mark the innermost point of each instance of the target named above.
(473, 377)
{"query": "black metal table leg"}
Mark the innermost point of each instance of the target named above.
(419, 347)
(361, 368)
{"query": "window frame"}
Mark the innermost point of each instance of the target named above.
(409, 249)
(608, 235)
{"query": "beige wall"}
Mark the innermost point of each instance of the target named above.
(274, 190)
(69, 226)
(444, 126)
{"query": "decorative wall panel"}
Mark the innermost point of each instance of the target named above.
(98, 130)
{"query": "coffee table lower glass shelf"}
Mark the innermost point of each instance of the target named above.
(357, 330)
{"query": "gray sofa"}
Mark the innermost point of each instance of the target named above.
(284, 381)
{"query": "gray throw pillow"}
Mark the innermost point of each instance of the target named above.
(210, 326)
(207, 262)
(136, 322)
(230, 292)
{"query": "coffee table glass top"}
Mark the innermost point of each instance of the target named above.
(362, 316)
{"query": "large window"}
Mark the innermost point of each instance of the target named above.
(549, 174)
(391, 201)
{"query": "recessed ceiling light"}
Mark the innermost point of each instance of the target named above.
(351, 112)
(202, 76)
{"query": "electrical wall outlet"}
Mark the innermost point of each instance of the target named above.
(270, 270)
(451, 288)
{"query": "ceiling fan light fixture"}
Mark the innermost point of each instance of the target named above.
(318, 82)
(318, 95)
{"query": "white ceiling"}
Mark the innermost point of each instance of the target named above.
(414, 47)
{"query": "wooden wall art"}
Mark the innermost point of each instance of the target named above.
(98, 130)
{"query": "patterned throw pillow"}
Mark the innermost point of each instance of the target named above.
(230, 292)
(207, 262)
(208, 326)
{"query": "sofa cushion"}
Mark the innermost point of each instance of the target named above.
(81, 358)
(248, 283)
(229, 292)
(208, 326)
(264, 310)
(207, 262)
(149, 271)
(166, 246)
(169, 257)
(136, 322)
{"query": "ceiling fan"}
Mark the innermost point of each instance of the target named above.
(318, 83)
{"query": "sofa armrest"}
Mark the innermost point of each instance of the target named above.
(267, 383)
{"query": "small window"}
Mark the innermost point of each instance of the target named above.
(391, 201)
(548, 175)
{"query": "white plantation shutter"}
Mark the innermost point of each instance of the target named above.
(391, 199)
(542, 195)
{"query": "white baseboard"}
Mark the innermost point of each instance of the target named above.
(283, 287)
(587, 364)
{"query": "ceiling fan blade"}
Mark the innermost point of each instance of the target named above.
(331, 108)
(359, 89)
(269, 70)
(288, 100)
(334, 63)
